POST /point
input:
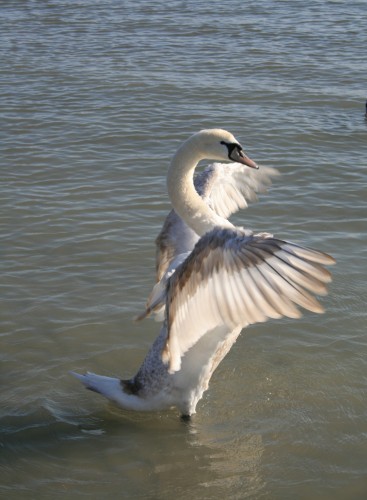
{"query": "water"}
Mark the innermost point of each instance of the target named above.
(96, 97)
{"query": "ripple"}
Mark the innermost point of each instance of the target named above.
(96, 98)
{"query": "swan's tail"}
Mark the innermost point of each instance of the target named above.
(106, 386)
(114, 389)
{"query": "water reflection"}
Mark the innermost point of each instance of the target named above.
(67, 448)
(233, 461)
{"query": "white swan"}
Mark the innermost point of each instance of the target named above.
(213, 278)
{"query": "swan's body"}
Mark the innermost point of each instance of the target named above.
(213, 278)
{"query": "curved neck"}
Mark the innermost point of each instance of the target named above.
(187, 203)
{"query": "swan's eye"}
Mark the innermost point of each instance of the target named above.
(232, 146)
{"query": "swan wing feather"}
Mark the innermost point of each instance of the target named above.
(175, 238)
(228, 187)
(234, 279)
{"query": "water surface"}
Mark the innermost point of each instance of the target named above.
(96, 97)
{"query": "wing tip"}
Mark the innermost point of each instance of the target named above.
(141, 316)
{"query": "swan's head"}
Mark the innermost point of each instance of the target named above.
(220, 145)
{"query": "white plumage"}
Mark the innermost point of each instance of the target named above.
(213, 279)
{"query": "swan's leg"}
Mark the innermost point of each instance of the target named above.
(185, 418)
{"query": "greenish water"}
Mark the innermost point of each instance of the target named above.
(96, 97)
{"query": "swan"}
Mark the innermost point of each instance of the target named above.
(213, 278)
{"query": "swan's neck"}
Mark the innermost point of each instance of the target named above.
(187, 203)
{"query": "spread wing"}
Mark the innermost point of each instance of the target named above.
(233, 279)
(228, 187)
